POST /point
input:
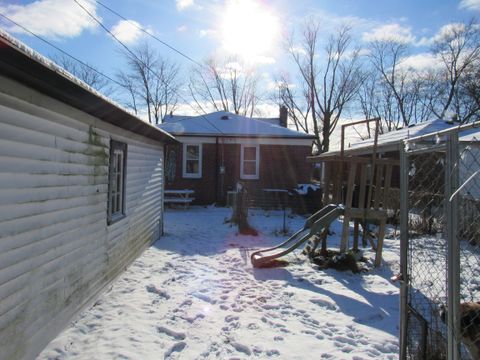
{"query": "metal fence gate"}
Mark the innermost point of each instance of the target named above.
(440, 251)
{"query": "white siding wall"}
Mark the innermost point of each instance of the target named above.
(469, 165)
(56, 250)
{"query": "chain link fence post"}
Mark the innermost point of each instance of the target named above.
(403, 250)
(453, 252)
(440, 245)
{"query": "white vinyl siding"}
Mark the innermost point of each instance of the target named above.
(249, 161)
(192, 161)
(56, 250)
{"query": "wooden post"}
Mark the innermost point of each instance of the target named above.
(386, 187)
(361, 199)
(348, 205)
(337, 184)
(356, 224)
(326, 184)
(381, 236)
(378, 187)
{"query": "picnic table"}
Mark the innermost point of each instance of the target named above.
(179, 197)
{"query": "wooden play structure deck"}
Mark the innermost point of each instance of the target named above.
(362, 184)
(357, 187)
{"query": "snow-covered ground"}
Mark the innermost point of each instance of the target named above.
(194, 295)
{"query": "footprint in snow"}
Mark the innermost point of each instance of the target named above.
(273, 352)
(345, 340)
(153, 290)
(371, 318)
(178, 347)
(204, 297)
(172, 333)
(241, 348)
(192, 319)
(230, 318)
(324, 303)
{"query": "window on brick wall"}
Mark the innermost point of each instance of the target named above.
(116, 181)
(249, 162)
(192, 160)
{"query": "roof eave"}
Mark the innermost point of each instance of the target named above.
(22, 67)
(307, 137)
(393, 146)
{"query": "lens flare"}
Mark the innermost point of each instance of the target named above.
(250, 29)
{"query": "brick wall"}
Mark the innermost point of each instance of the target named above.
(281, 167)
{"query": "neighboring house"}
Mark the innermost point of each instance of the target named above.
(470, 163)
(81, 189)
(389, 142)
(221, 148)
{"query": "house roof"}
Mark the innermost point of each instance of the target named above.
(21, 63)
(389, 141)
(472, 135)
(223, 123)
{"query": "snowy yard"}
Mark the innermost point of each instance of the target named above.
(195, 295)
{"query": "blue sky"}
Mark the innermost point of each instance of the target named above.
(254, 28)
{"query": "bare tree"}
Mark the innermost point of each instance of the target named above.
(151, 82)
(471, 85)
(85, 72)
(396, 107)
(401, 92)
(385, 56)
(330, 80)
(375, 100)
(458, 48)
(224, 86)
(287, 96)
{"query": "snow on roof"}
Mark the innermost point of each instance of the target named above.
(55, 67)
(227, 124)
(394, 137)
(174, 118)
(472, 135)
(274, 121)
(49, 70)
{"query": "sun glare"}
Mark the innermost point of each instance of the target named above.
(250, 29)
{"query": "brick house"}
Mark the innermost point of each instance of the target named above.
(221, 148)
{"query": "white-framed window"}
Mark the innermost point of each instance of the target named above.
(249, 161)
(116, 181)
(192, 160)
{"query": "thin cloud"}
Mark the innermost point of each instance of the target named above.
(127, 31)
(425, 41)
(470, 4)
(331, 22)
(390, 32)
(421, 62)
(51, 18)
(187, 4)
(448, 30)
(207, 33)
(182, 28)
(262, 60)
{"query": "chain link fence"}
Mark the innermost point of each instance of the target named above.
(441, 246)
